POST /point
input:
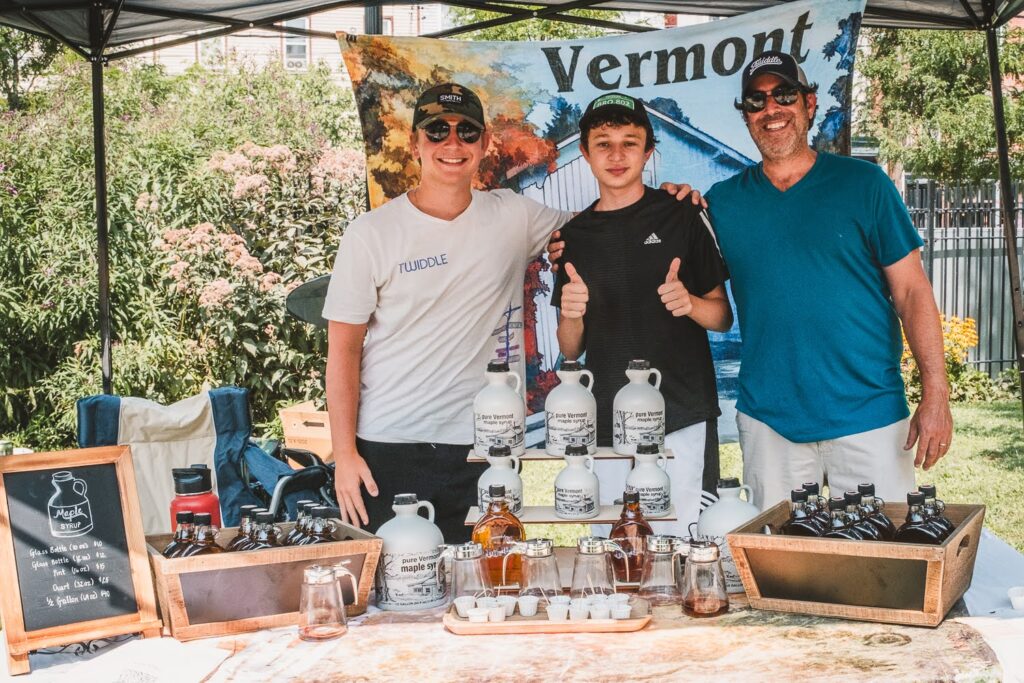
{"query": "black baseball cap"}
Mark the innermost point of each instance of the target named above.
(448, 98)
(781, 64)
(618, 103)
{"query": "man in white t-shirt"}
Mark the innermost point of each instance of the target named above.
(426, 290)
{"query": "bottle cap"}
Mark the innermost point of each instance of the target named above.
(631, 497)
(406, 499)
(798, 495)
(499, 451)
(915, 498)
(496, 491)
(571, 366)
(305, 501)
(199, 466)
(866, 489)
(927, 489)
(639, 365)
(648, 449)
(264, 517)
(591, 545)
(497, 366)
(577, 450)
(188, 481)
(730, 483)
(836, 503)
(306, 507)
(657, 543)
(321, 512)
(811, 487)
(203, 518)
(853, 497)
(468, 551)
(246, 511)
(185, 517)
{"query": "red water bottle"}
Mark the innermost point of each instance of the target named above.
(193, 492)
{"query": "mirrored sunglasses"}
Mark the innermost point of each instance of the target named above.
(438, 131)
(757, 100)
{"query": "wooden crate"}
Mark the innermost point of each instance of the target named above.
(235, 592)
(307, 428)
(895, 583)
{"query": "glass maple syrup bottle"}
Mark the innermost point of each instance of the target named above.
(244, 529)
(873, 509)
(801, 522)
(205, 541)
(933, 510)
(817, 506)
(497, 532)
(264, 534)
(630, 534)
(321, 528)
(183, 534)
(839, 526)
(917, 528)
(857, 519)
(303, 516)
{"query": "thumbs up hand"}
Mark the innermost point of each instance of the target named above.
(673, 293)
(574, 294)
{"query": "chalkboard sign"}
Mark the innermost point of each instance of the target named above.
(70, 532)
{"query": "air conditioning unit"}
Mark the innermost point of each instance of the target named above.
(296, 64)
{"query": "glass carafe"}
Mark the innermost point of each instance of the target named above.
(469, 571)
(321, 606)
(703, 584)
(592, 569)
(659, 578)
(540, 571)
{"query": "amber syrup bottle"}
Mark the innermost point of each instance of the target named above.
(873, 509)
(205, 542)
(933, 510)
(817, 506)
(630, 534)
(839, 526)
(244, 529)
(857, 519)
(800, 522)
(917, 528)
(183, 534)
(321, 528)
(497, 531)
(303, 517)
(264, 534)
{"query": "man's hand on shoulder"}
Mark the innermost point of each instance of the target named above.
(555, 248)
(684, 191)
(931, 428)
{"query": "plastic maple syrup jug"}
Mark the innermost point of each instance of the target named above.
(503, 470)
(576, 486)
(571, 411)
(721, 517)
(499, 412)
(638, 411)
(407, 576)
(649, 479)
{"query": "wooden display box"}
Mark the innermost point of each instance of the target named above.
(307, 428)
(894, 583)
(236, 592)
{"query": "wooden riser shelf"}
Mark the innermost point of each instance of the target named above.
(539, 454)
(545, 514)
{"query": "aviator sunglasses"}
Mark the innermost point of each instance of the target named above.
(438, 131)
(756, 100)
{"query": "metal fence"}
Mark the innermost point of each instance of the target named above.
(965, 258)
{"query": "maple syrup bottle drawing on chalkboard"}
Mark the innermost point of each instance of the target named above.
(68, 508)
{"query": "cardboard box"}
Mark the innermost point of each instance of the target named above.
(307, 428)
(236, 592)
(895, 583)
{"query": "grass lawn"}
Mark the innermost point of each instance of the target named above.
(985, 464)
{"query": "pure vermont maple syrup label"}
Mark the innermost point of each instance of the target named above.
(571, 428)
(654, 500)
(575, 502)
(497, 429)
(637, 427)
(410, 580)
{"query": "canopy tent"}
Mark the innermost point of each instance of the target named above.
(104, 30)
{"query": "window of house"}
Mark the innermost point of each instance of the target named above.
(296, 48)
(388, 26)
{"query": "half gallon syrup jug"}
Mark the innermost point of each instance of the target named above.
(638, 411)
(407, 576)
(571, 411)
(729, 512)
(499, 412)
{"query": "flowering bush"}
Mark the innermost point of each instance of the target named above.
(959, 336)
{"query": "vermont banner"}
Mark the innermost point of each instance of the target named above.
(534, 94)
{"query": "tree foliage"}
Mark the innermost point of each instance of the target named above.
(929, 101)
(23, 58)
(532, 29)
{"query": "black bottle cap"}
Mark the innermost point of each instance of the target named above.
(321, 512)
(189, 481)
(307, 506)
(631, 497)
(246, 511)
(497, 491)
(497, 366)
(853, 497)
(576, 450)
(304, 502)
(866, 489)
(499, 451)
(406, 499)
(639, 365)
(730, 483)
(264, 517)
(185, 517)
(199, 466)
(927, 489)
(915, 498)
(648, 449)
(798, 495)
(837, 503)
(203, 518)
(571, 366)
(811, 487)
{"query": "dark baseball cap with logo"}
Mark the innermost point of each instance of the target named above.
(448, 98)
(617, 106)
(781, 64)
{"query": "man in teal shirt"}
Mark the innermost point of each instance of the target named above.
(825, 266)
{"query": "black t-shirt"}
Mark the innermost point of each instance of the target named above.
(623, 256)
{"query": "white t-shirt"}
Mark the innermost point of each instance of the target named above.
(441, 299)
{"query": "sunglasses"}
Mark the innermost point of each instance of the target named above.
(757, 100)
(438, 131)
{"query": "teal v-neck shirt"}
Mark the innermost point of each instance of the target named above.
(821, 339)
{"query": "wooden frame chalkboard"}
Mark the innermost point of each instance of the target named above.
(71, 540)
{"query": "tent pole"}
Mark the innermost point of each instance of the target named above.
(1006, 191)
(100, 152)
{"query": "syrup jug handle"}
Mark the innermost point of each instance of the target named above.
(430, 509)
(750, 493)
(515, 462)
(657, 377)
(662, 460)
(589, 386)
(518, 383)
(588, 462)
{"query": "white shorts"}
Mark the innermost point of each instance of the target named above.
(773, 465)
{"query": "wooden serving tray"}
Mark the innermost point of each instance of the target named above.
(540, 624)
